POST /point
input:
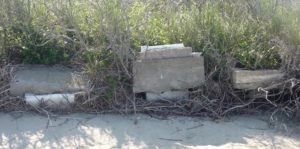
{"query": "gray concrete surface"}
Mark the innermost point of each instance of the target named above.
(160, 47)
(248, 79)
(47, 80)
(156, 76)
(85, 131)
(166, 53)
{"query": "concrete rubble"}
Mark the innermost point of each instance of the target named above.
(47, 80)
(168, 71)
(51, 85)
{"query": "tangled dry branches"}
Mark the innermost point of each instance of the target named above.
(7, 102)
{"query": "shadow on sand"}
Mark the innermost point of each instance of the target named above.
(119, 131)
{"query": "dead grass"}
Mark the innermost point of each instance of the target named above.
(215, 98)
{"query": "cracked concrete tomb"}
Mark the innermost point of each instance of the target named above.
(167, 71)
(253, 79)
(41, 80)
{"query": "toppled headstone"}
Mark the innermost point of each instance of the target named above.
(253, 79)
(167, 71)
(47, 80)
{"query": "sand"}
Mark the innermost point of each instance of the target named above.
(28, 130)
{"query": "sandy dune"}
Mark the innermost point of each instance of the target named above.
(27, 130)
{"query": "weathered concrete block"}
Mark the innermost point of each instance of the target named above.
(166, 53)
(159, 75)
(47, 80)
(248, 79)
(168, 95)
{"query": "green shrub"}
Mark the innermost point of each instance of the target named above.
(29, 48)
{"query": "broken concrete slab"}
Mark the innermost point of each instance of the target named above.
(47, 80)
(253, 79)
(168, 95)
(166, 53)
(167, 74)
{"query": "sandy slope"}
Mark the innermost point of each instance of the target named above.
(116, 131)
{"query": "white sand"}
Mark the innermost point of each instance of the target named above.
(117, 131)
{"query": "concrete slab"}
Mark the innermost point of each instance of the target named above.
(168, 95)
(161, 47)
(156, 76)
(248, 79)
(47, 80)
(166, 53)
